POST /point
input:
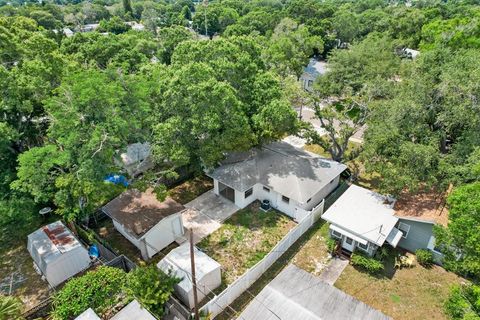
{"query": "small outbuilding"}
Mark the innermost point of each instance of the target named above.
(132, 311)
(207, 273)
(56, 253)
(147, 223)
(136, 159)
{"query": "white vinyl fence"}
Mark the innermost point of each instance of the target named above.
(234, 290)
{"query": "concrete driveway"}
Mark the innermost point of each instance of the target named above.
(206, 213)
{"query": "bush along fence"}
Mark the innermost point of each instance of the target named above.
(216, 305)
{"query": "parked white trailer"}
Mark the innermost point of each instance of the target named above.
(207, 273)
(56, 253)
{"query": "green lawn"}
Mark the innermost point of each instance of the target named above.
(245, 238)
(408, 293)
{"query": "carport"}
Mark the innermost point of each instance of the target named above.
(226, 191)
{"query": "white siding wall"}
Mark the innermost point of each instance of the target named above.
(67, 265)
(136, 242)
(163, 234)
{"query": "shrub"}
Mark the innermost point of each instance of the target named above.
(368, 264)
(462, 303)
(99, 289)
(424, 257)
(10, 308)
(331, 245)
(151, 287)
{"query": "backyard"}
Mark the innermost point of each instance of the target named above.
(18, 277)
(182, 193)
(244, 239)
(407, 293)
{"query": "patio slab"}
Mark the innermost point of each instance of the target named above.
(206, 213)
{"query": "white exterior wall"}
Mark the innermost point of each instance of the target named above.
(160, 236)
(164, 233)
(322, 194)
(67, 265)
(372, 248)
(136, 242)
(293, 209)
(205, 285)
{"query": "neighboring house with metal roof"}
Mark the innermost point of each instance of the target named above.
(364, 220)
(56, 253)
(207, 273)
(146, 222)
(311, 72)
(297, 294)
(293, 180)
(132, 311)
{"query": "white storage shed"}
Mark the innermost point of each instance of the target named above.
(207, 273)
(147, 223)
(56, 253)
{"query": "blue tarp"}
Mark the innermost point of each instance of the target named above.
(117, 179)
(93, 251)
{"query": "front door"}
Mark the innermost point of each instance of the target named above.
(348, 243)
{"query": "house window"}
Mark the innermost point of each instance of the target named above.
(285, 199)
(336, 234)
(310, 83)
(404, 228)
(349, 240)
(363, 246)
(266, 189)
(248, 193)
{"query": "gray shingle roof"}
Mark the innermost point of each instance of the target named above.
(297, 294)
(292, 172)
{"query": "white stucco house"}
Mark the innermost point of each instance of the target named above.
(295, 181)
(363, 220)
(311, 72)
(147, 223)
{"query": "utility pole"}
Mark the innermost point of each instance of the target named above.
(192, 264)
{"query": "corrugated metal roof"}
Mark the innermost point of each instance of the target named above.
(364, 213)
(49, 242)
(297, 294)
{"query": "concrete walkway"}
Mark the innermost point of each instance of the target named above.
(206, 213)
(334, 269)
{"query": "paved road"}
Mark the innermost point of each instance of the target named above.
(308, 115)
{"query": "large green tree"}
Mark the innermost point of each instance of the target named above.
(427, 132)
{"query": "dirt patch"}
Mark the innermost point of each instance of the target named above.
(245, 238)
(424, 206)
(17, 275)
(411, 293)
(313, 256)
(190, 189)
